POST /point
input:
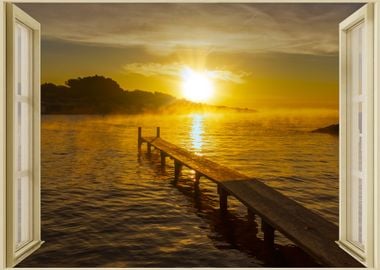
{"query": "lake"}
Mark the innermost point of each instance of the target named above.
(103, 205)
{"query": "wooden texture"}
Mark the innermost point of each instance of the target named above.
(177, 170)
(314, 234)
(149, 149)
(268, 231)
(163, 158)
(139, 141)
(250, 215)
(223, 199)
(158, 132)
(206, 167)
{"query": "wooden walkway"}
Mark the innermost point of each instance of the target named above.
(314, 234)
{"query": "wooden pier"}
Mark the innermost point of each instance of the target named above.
(314, 234)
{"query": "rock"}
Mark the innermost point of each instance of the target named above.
(333, 130)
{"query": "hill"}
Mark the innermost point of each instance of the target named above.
(100, 95)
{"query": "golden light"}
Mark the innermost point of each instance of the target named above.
(196, 86)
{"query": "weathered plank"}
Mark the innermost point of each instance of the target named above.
(314, 234)
(206, 167)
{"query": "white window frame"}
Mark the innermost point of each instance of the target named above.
(376, 143)
(376, 146)
(16, 254)
(362, 16)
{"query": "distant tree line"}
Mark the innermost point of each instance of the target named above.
(99, 95)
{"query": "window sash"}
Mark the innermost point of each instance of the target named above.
(356, 229)
(23, 135)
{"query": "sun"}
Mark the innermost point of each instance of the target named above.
(196, 86)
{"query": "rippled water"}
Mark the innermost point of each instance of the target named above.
(105, 206)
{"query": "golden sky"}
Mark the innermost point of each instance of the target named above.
(260, 55)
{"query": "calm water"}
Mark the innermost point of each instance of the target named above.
(105, 206)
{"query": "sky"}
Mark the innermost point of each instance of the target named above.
(262, 56)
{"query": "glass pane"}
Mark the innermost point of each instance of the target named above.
(360, 154)
(18, 59)
(360, 115)
(23, 118)
(359, 56)
(357, 132)
(22, 59)
(23, 136)
(23, 216)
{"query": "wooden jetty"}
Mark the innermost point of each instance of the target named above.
(314, 234)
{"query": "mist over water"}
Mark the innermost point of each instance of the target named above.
(105, 206)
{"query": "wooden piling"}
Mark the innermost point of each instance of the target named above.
(223, 199)
(158, 132)
(197, 178)
(163, 158)
(251, 215)
(268, 231)
(139, 140)
(309, 231)
(149, 148)
(177, 170)
(196, 182)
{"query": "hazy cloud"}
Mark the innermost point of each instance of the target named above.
(226, 75)
(154, 69)
(162, 28)
(175, 70)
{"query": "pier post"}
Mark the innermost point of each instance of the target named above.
(177, 170)
(163, 159)
(268, 231)
(196, 182)
(158, 132)
(139, 141)
(148, 148)
(223, 200)
(251, 216)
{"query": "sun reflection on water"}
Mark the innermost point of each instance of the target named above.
(196, 132)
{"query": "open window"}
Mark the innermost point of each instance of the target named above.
(23, 135)
(356, 134)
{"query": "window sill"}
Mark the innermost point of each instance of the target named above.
(354, 251)
(25, 252)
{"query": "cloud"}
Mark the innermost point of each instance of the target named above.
(176, 69)
(226, 75)
(154, 69)
(162, 28)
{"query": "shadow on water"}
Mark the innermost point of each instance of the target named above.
(232, 230)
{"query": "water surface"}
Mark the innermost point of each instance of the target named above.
(103, 205)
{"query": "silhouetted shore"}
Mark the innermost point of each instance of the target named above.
(100, 95)
(332, 129)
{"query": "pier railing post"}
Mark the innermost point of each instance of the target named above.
(139, 141)
(223, 199)
(158, 132)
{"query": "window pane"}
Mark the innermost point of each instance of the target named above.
(22, 57)
(23, 198)
(23, 119)
(18, 59)
(357, 138)
(23, 136)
